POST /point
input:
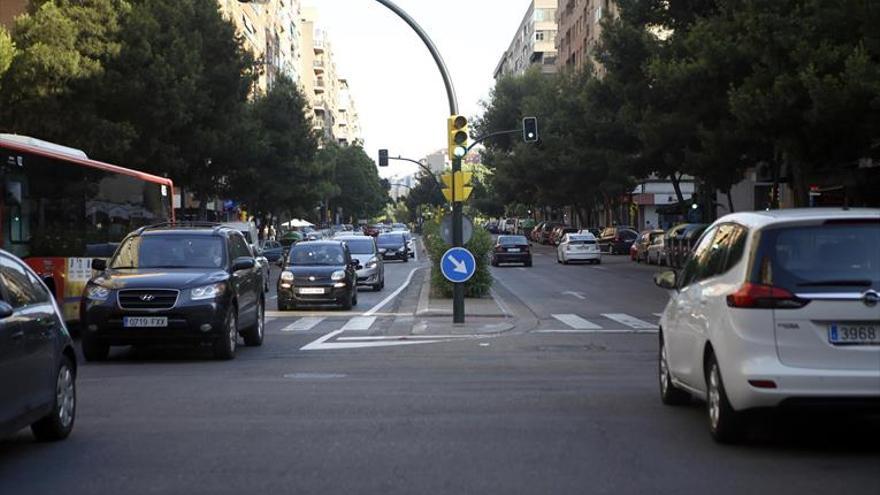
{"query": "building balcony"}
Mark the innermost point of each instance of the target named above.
(318, 45)
(318, 65)
(320, 86)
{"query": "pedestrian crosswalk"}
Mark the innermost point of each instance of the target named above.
(605, 322)
(303, 324)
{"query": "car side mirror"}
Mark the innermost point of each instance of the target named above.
(243, 263)
(5, 310)
(666, 280)
(99, 264)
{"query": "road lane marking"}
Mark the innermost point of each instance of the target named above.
(579, 295)
(359, 323)
(404, 337)
(394, 294)
(303, 324)
(319, 342)
(658, 315)
(630, 321)
(598, 331)
(576, 322)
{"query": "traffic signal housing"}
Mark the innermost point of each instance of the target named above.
(530, 129)
(457, 126)
(383, 158)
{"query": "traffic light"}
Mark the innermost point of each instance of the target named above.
(383, 158)
(457, 126)
(449, 185)
(457, 186)
(530, 129)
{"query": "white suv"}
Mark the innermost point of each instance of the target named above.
(775, 308)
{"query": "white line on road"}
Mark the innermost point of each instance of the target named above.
(303, 324)
(630, 321)
(359, 323)
(394, 294)
(405, 337)
(596, 267)
(318, 343)
(658, 315)
(579, 295)
(597, 331)
(576, 322)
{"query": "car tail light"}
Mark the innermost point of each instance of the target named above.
(764, 296)
(762, 383)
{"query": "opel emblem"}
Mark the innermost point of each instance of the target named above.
(147, 297)
(871, 298)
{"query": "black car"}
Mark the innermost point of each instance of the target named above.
(37, 360)
(512, 249)
(393, 246)
(273, 251)
(318, 273)
(617, 240)
(175, 284)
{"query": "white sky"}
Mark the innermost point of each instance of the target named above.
(396, 86)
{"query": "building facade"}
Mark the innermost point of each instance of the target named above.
(534, 43)
(580, 31)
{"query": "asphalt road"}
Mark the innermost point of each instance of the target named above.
(532, 412)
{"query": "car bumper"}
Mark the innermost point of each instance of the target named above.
(582, 256)
(189, 323)
(395, 255)
(512, 257)
(332, 295)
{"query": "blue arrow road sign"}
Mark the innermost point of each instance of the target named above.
(458, 265)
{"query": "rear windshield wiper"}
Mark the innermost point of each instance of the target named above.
(837, 283)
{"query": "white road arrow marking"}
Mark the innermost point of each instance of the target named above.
(579, 295)
(460, 266)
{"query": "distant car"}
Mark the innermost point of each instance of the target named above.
(371, 268)
(36, 355)
(393, 245)
(617, 240)
(318, 273)
(546, 231)
(656, 253)
(272, 250)
(511, 249)
(398, 227)
(645, 239)
(578, 247)
(410, 243)
(175, 285)
(775, 308)
(249, 231)
(559, 232)
(372, 230)
(595, 232)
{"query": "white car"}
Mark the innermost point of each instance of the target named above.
(775, 308)
(656, 254)
(578, 247)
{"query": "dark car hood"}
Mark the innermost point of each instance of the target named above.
(153, 278)
(320, 272)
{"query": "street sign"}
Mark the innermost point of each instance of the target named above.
(467, 229)
(458, 265)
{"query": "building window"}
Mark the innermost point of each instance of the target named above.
(539, 36)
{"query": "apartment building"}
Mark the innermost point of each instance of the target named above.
(347, 130)
(271, 33)
(534, 43)
(580, 31)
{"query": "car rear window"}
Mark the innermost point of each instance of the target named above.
(512, 240)
(820, 258)
(360, 246)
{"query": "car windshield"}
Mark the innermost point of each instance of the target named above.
(360, 246)
(170, 251)
(826, 258)
(317, 254)
(390, 240)
(512, 240)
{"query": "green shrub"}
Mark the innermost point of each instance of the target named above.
(480, 245)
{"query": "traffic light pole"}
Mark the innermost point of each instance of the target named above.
(457, 237)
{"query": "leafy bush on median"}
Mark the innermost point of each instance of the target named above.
(480, 245)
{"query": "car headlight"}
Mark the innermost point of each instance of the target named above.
(97, 293)
(337, 275)
(402, 249)
(382, 250)
(207, 292)
(286, 276)
(373, 263)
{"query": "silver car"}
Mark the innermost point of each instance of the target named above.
(371, 269)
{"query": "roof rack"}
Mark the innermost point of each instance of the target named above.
(182, 224)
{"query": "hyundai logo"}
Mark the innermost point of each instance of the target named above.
(312, 279)
(871, 298)
(147, 297)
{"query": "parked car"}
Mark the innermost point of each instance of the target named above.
(318, 273)
(511, 249)
(38, 381)
(370, 268)
(372, 230)
(656, 254)
(410, 243)
(645, 239)
(559, 232)
(393, 245)
(578, 247)
(595, 232)
(617, 240)
(399, 227)
(775, 308)
(535, 234)
(272, 251)
(172, 285)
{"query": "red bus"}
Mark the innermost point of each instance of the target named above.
(59, 209)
